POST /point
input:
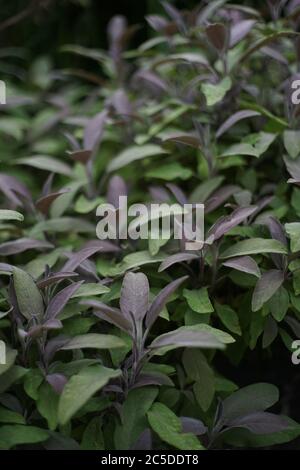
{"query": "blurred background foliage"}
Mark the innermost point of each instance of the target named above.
(43, 26)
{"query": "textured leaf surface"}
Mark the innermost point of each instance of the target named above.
(168, 427)
(80, 388)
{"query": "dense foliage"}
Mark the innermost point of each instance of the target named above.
(116, 344)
